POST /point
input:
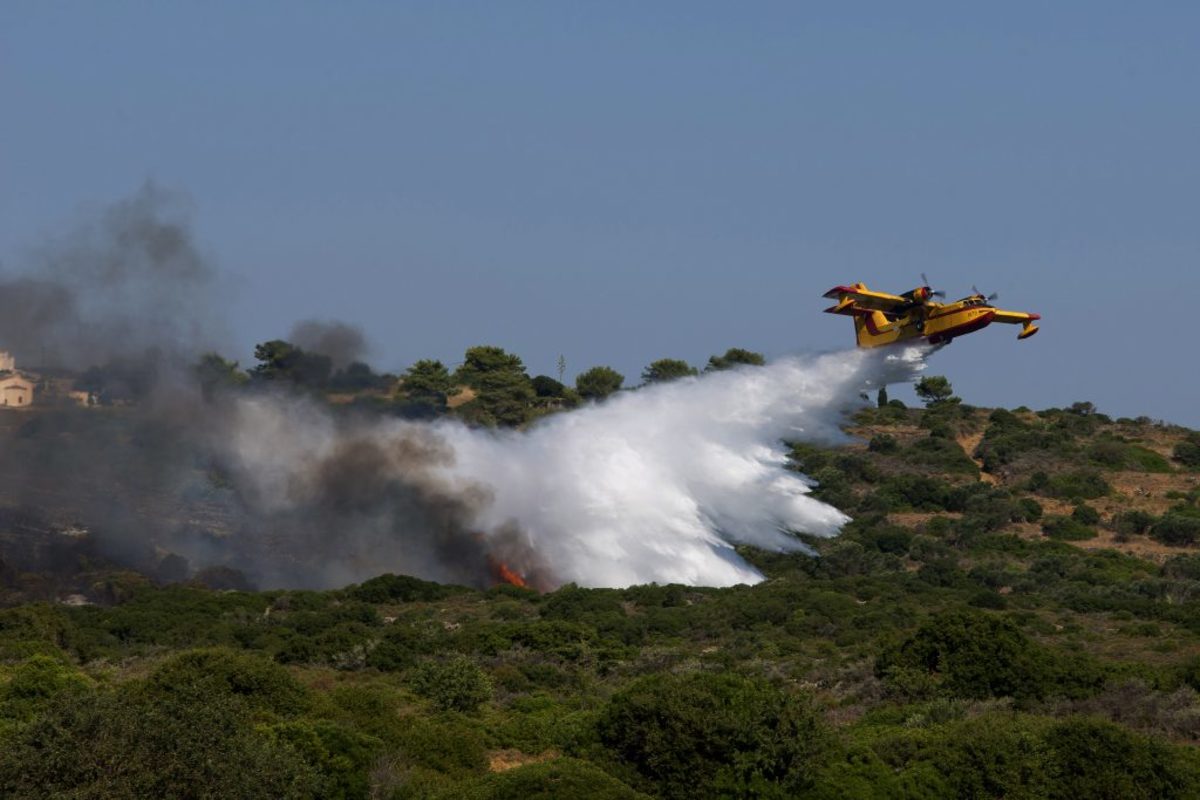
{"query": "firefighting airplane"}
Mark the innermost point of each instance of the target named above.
(881, 318)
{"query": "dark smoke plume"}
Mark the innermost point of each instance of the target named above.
(342, 343)
(128, 303)
(130, 282)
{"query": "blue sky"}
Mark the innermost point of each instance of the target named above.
(620, 182)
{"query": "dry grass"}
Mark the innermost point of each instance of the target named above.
(462, 396)
(502, 760)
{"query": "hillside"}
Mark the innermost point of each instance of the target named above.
(1013, 612)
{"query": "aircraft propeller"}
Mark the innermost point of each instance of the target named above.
(989, 298)
(932, 292)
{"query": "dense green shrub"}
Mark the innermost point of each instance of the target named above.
(1031, 509)
(1096, 759)
(130, 743)
(400, 589)
(457, 684)
(1008, 437)
(1001, 755)
(883, 443)
(918, 492)
(259, 682)
(1187, 452)
(1177, 529)
(1067, 529)
(1134, 522)
(1080, 484)
(979, 655)
(1116, 454)
(34, 683)
(714, 735)
(340, 757)
(1085, 514)
(940, 453)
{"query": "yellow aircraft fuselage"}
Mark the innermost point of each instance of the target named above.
(881, 318)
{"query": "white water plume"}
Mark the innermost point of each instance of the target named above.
(653, 485)
(659, 484)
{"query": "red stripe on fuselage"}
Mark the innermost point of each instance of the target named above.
(967, 327)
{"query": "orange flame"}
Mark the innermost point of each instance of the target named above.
(508, 576)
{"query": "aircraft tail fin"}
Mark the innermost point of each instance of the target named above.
(868, 325)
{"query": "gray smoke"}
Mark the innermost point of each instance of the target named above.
(128, 303)
(341, 342)
(114, 289)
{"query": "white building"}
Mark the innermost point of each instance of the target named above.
(16, 390)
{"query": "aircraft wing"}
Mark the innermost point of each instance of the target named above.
(1018, 318)
(1014, 317)
(863, 298)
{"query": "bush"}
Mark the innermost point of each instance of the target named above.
(259, 682)
(1177, 529)
(974, 655)
(341, 757)
(714, 735)
(1008, 437)
(1067, 529)
(132, 744)
(1131, 523)
(34, 683)
(1085, 514)
(598, 383)
(883, 443)
(454, 685)
(1096, 759)
(918, 492)
(1187, 453)
(1080, 484)
(1031, 509)
(939, 451)
(401, 589)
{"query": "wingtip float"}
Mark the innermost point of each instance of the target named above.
(881, 318)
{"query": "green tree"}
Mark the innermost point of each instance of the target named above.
(547, 387)
(667, 369)
(215, 374)
(486, 360)
(598, 383)
(505, 398)
(934, 389)
(504, 393)
(427, 377)
(735, 356)
(425, 385)
(283, 361)
(357, 376)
